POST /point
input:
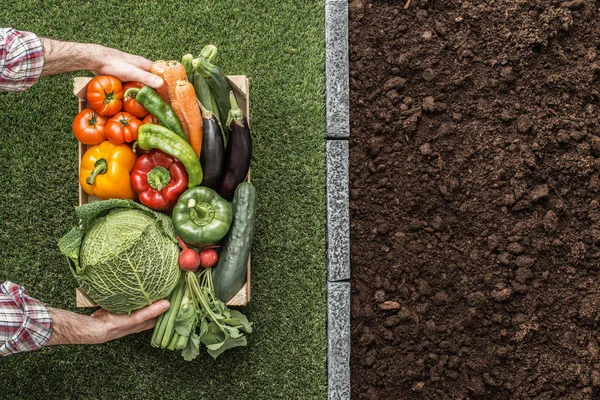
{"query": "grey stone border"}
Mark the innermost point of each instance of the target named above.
(338, 213)
(336, 69)
(338, 340)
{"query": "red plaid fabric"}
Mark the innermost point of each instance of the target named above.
(21, 59)
(25, 323)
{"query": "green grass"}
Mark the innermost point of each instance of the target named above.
(280, 47)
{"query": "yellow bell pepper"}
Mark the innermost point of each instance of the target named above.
(105, 171)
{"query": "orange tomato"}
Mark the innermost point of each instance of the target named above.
(150, 119)
(131, 105)
(88, 127)
(122, 128)
(105, 95)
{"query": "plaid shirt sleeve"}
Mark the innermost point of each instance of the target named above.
(25, 323)
(21, 59)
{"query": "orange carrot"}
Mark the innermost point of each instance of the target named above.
(176, 72)
(186, 98)
(158, 68)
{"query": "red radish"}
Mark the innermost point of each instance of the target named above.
(208, 257)
(188, 260)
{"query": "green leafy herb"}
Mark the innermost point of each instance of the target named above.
(197, 316)
(220, 328)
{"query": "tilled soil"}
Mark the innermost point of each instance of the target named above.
(475, 206)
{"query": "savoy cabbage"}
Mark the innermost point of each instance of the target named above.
(123, 255)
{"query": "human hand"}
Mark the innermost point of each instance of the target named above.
(124, 66)
(102, 326)
(60, 57)
(115, 326)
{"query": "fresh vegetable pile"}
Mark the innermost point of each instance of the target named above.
(169, 167)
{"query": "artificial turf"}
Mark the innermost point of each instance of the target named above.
(280, 47)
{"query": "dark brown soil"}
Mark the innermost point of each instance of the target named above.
(475, 205)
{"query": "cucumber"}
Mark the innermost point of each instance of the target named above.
(230, 273)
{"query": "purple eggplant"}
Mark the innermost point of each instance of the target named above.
(239, 150)
(212, 155)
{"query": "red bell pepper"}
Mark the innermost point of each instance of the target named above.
(159, 179)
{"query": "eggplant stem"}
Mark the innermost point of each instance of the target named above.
(235, 114)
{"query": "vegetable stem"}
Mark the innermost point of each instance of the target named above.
(100, 168)
(161, 325)
(203, 67)
(201, 297)
(173, 341)
(235, 114)
(186, 61)
(209, 52)
(182, 342)
(169, 329)
(155, 338)
(158, 178)
(131, 92)
(168, 332)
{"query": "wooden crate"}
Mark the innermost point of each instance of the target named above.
(240, 86)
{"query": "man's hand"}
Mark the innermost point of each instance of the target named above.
(101, 326)
(60, 57)
(125, 67)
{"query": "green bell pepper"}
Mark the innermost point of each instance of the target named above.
(201, 217)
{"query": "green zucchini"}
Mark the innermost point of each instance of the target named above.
(218, 83)
(229, 275)
(209, 52)
(204, 95)
(186, 61)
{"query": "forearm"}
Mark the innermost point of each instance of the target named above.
(27, 324)
(72, 328)
(60, 57)
(31, 56)
(101, 326)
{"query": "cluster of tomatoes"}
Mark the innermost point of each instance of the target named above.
(111, 116)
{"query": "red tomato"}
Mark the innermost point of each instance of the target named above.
(104, 93)
(122, 128)
(88, 127)
(150, 119)
(131, 105)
